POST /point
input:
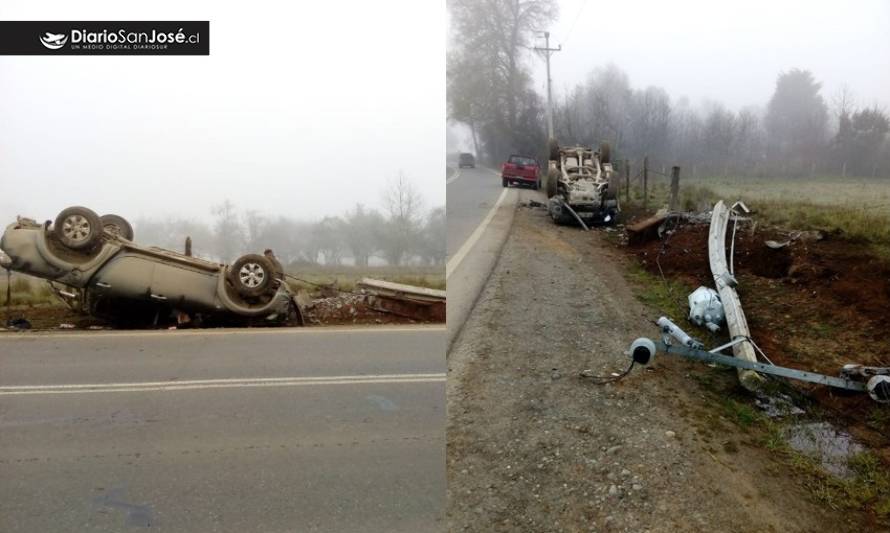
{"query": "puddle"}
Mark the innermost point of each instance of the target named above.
(777, 406)
(827, 444)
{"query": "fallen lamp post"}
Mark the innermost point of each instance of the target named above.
(674, 341)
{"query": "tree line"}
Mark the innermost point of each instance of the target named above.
(400, 233)
(798, 132)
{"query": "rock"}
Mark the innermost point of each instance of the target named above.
(613, 449)
(613, 490)
(670, 434)
(637, 486)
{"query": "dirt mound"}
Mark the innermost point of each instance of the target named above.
(351, 308)
(834, 274)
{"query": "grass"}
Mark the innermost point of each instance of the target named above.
(857, 208)
(867, 489)
(345, 278)
(27, 291)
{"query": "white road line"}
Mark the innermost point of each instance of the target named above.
(455, 261)
(156, 386)
(452, 179)
(12, 336)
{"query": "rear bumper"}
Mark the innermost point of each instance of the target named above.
(524, 179)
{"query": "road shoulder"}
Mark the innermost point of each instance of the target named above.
(532, 447)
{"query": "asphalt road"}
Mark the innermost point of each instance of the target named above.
(339, 429)
(469, 198)
(479, 211)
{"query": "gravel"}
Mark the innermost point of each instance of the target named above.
(530, 451)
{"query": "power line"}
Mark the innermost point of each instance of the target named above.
(574, 22)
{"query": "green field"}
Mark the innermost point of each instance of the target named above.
(857, 208)
(26, 291)
(344, 278)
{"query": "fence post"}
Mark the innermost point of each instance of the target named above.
(675, 189)
(645, 181)
(626, 180)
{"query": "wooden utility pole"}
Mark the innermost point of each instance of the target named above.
(645, 181)
(675, 189)
(547, 53)
(626, 180)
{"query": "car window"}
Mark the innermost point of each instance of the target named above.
(520, 160)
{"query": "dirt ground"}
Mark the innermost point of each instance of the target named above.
(534, 447)
(816, 304)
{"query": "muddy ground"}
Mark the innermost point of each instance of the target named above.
(816, 304)
(534, 447)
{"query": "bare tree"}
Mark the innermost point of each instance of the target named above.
(228, 231)
(489, 85)
(403, 207)
(362, 228)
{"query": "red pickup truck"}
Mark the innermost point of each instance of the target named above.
(521, 169)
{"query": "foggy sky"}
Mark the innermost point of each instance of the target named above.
(729, 52)
(302, 109)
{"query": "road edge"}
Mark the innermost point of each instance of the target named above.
(472, 274)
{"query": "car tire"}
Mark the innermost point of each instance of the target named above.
(78, 228)
(605, 153)
(117, 225)
(252, 275)
(504, 182)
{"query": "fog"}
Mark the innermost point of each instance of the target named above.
(719, 89)
(302, 109)
(729, 52)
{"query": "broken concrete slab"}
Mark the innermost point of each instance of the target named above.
(418, 303)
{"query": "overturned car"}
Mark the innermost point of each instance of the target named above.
(104, 273)
(581, 185)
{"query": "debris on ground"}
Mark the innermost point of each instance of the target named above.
(18, 323)
(418, 303)
(527, 452)
(379, 302)
(705, 308)
(815, 301)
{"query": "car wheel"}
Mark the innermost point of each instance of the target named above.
(504, 182)
(117, 225)
(78, 228)
(251, 275)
